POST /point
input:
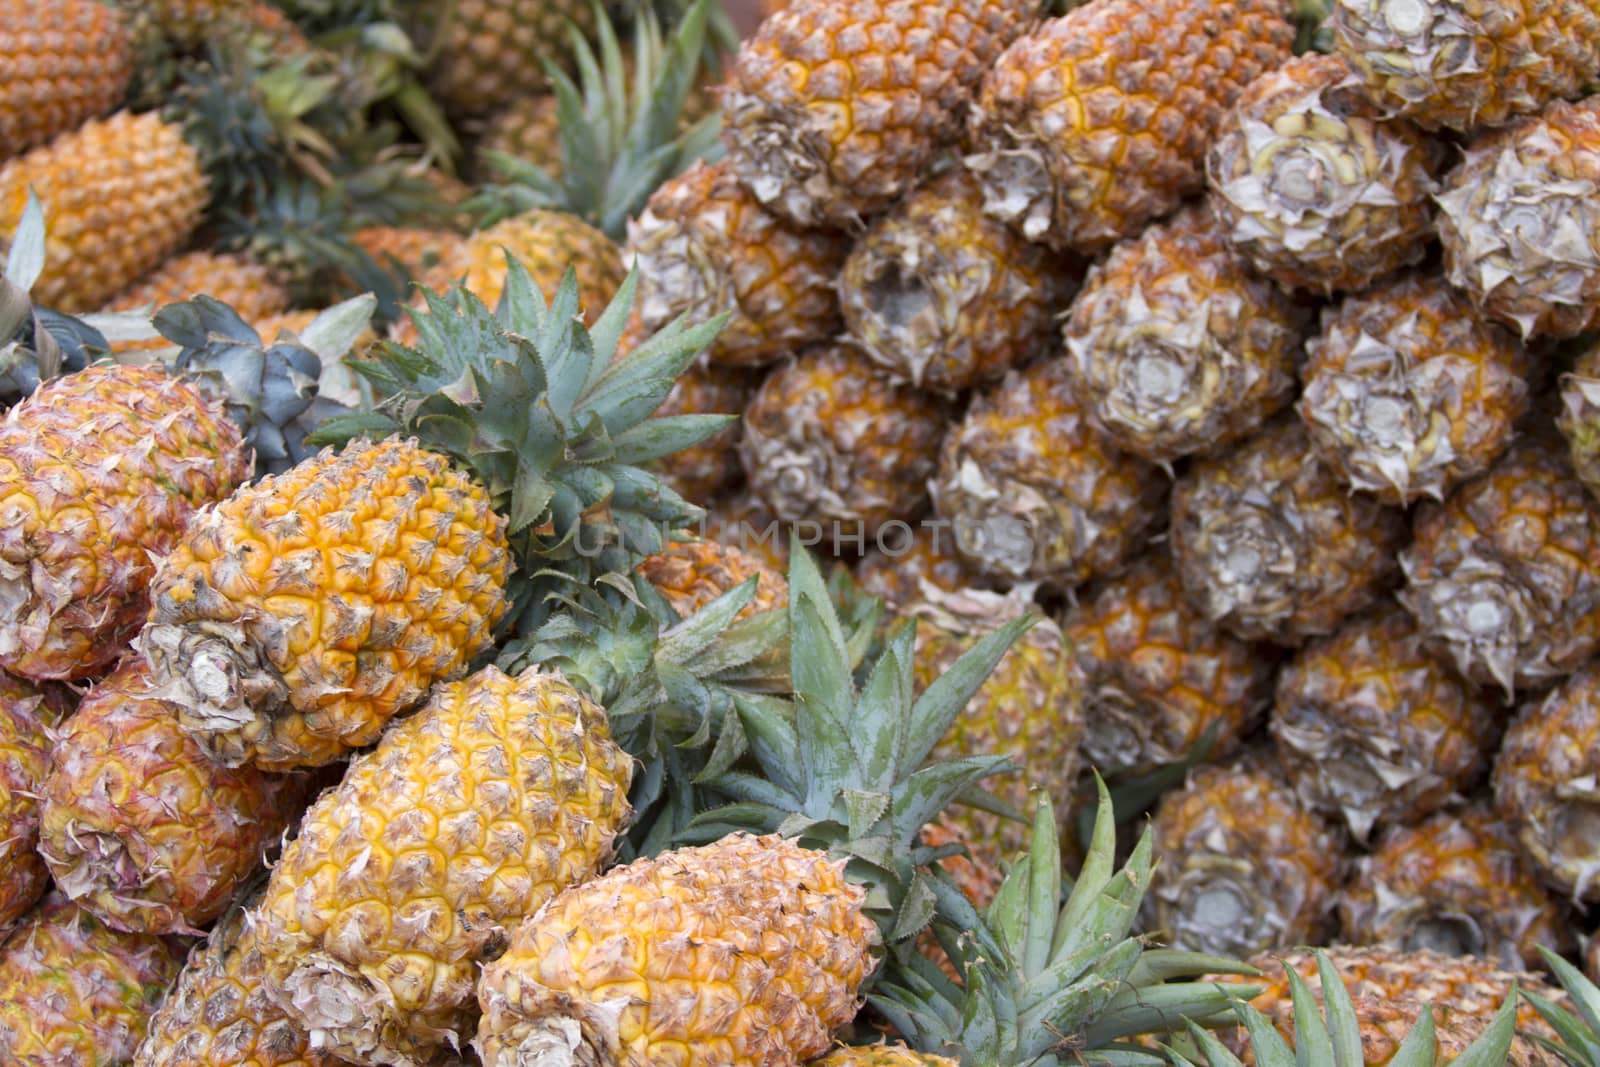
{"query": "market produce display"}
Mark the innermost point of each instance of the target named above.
(799, 533)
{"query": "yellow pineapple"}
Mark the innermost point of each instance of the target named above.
(487, 53)
(98, 471)
(467, 817)
(191, 23)
(691, 574)
(66, 61)
(411, 249)
(24, 760)
(704, 470)
(252, 289)
(747, 951)
(301, 614)
(881, 1056)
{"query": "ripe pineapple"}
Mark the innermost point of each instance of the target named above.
(946, 298)
(468, 816)
(1030, 709)
(1099, 121)
(1544, 783)
(139, 825)
(189, 24)
(1408, 393)
(1033, 491)
(1464, 65)
(24, 758)
(301, 614)
(1456, 883)
(1504, 576)
(833, 111)
(828, 438)
(1158, 677)
(74, 992)
(1246, 866)
(1175, 347)
(749, 950)
(691, 574)
(1272, 545)
(898, 564)
(98, 471)
(66, 61)
(1519, 218)
(252, 289)
(744, 521)
(1313, 188)
(487, 53)
(704, 245)
(412, 250)
(704, 470)
(218, 1013)
(1371, 727)
(885, 1055)
(1579, 417)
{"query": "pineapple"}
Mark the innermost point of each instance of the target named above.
(1159, 679)
(98, 470)
(946, 298)
(1313, 188)
(1246, 866)
(885, 1055)
(829, 439)
(704, 245)
(1456, 883)
(1579, 417)
(1272, 545)
(469, 815)
(1519, 220)
(1504, 576)
(527, 128)
(76, 993)
(896, 567)
(704, 470)
(691, 574)
(1465, 64)
(1544, 783)
(1098, 122)
(1033, 492)
(139, 826)
(190, 24)
(833, 111)
(24, 759)
(1030, 709)
(1370, 727)
(66, 61)
(411, 250)
(743, 520)
(1175, 347)
(487, 53)
(218, 1013)
(1408, 393)
(252, 289)
(372, 573)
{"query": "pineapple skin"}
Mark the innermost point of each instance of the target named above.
(468, 816)
(66, 61)
(896, 567)
(120, 195)
(744, 521)
(832, 111)
(1248, 867)
(1175, 347)
(1098, 122)
(218, 1013)
(885, 1055)
(702, 471)
(703, 245)
(944, 297)
(829, 439)
(1313, 189)
(1030, 709)
(749, 951)
(1316, 553)
(191, 23)
(1371, 727)
(1504, 576)
(491, 52)
(691, 574)
(1465, 64)
(139, 825)
(99, 470)
(1034, 492)
(1579, 417)
(1543, 783)
(1158, 675)
(24, 761)
(74, 992)
(1408, 392)
(1519, 219)
(252, 289)
(413, 249)
(301, 614)
(1458, 883)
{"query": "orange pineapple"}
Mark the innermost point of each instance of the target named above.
(66, 61)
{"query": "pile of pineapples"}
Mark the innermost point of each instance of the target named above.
(422, 425)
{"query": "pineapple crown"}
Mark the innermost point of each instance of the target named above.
(36, 344)
(1578, 1030)
(619, 141)
(1331, 1034)
(533, 403)
(1050, 983)
(267, 389)
(847, 769)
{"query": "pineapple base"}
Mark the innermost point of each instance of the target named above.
(225, 691)
(1017, 189)
(779, 166)
(343, 1011)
